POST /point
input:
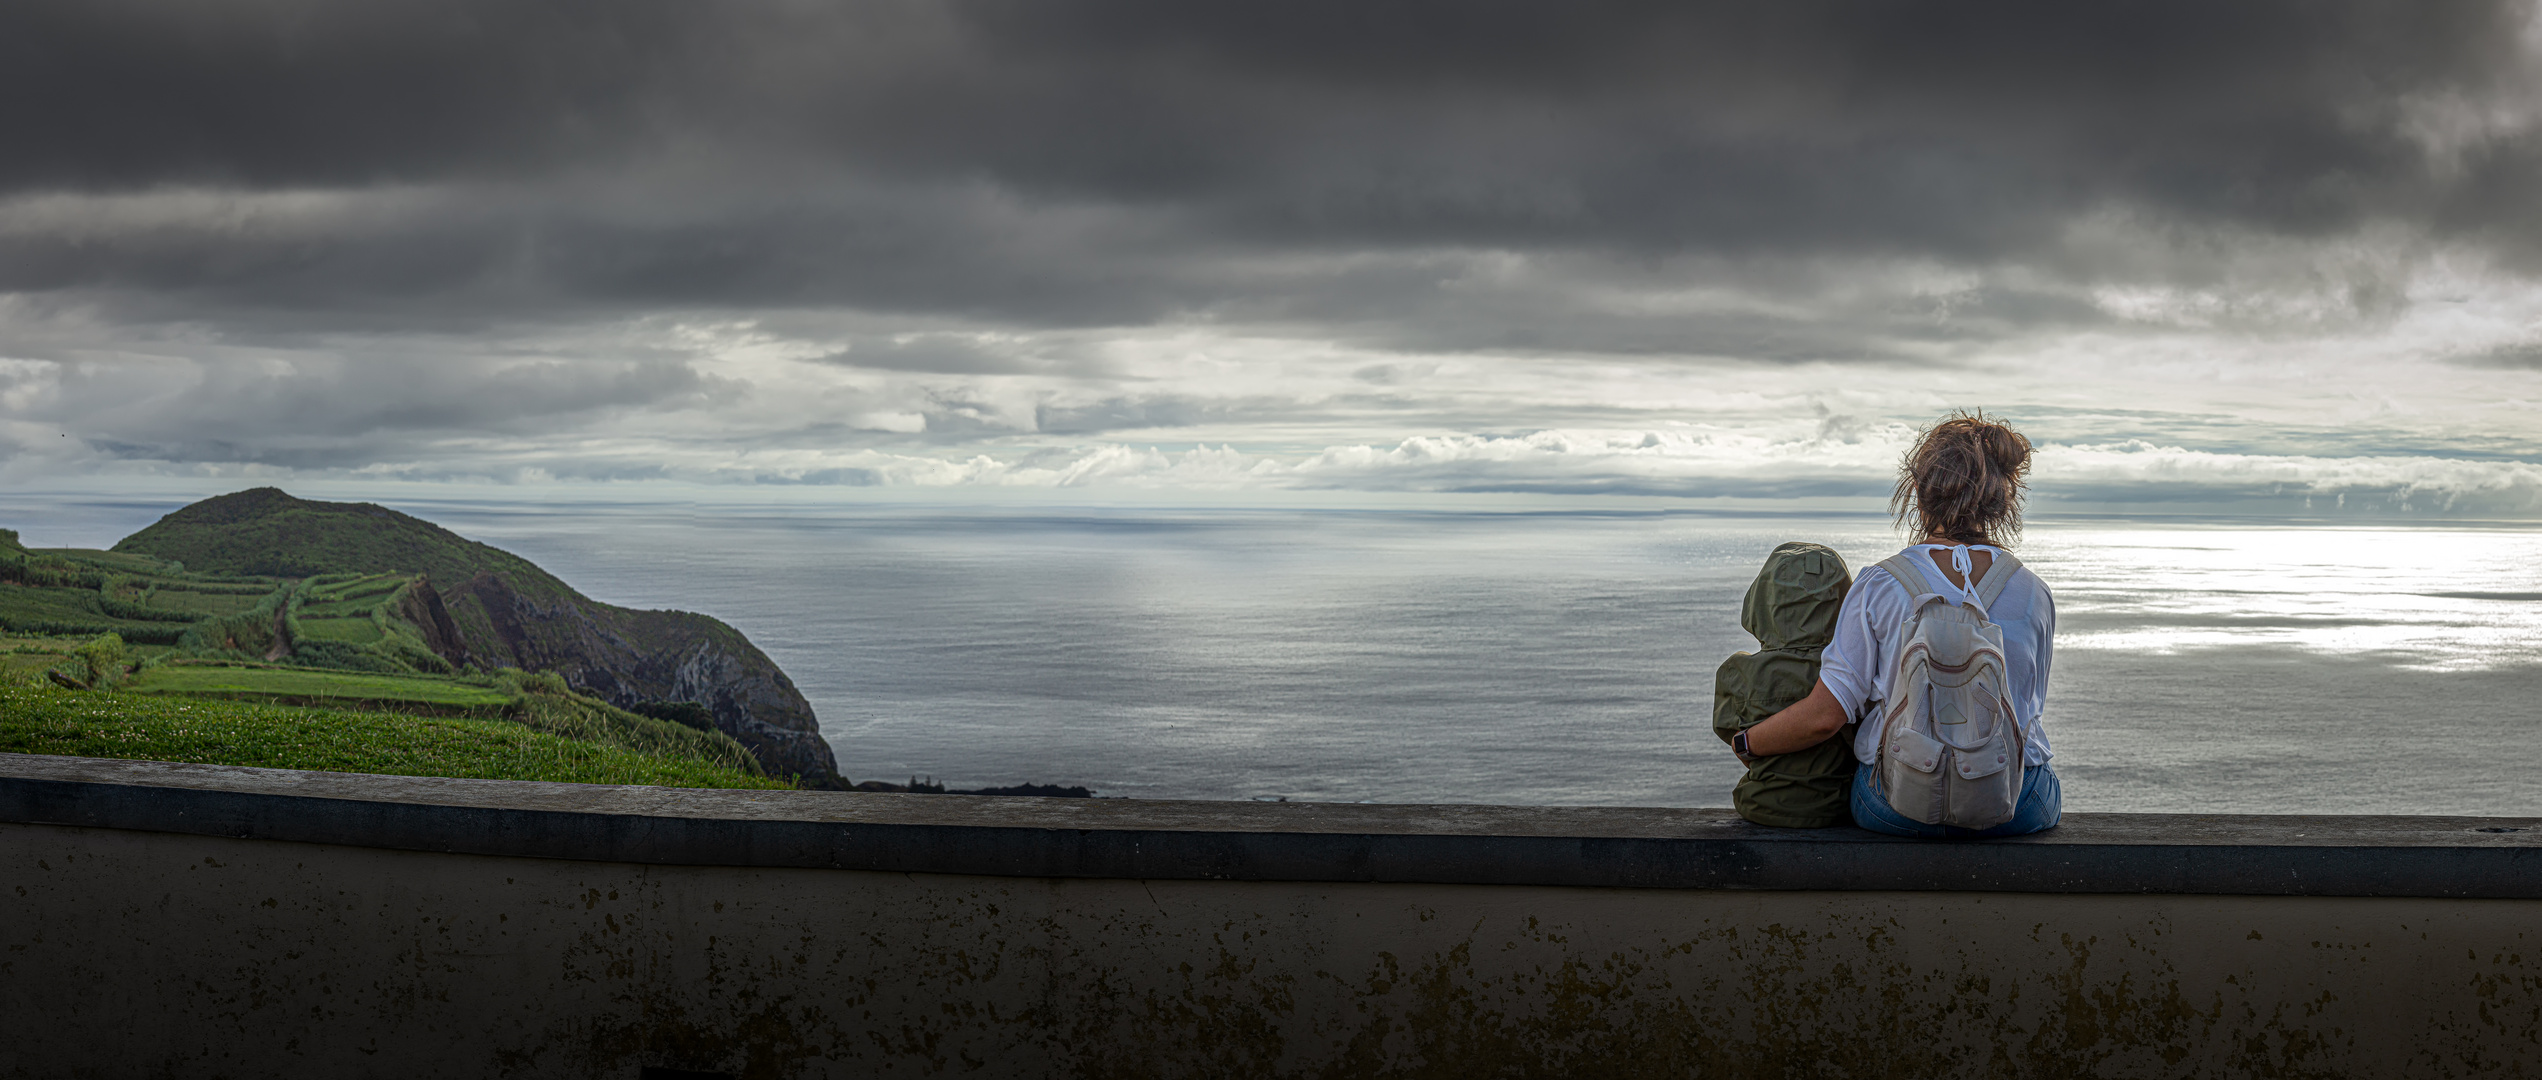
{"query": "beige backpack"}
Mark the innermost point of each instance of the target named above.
(1950, 748)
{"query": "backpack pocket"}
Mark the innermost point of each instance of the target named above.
(1983, 787)
(1910, 772)
(1982, 762)
(1915, 750)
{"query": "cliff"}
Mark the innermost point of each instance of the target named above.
(491, 608)
(629, 657)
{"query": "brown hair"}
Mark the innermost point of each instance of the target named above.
(1963, 481)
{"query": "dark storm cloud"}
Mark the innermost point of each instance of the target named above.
(338, 412)
(1127, 161)
(404, 253)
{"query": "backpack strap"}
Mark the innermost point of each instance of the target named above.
(1919, 580)
(1998, 577)
(1902, 567)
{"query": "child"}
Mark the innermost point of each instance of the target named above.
(1791, 608)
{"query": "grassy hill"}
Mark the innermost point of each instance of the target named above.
(259, 597)
(265, 532)
(377, 590)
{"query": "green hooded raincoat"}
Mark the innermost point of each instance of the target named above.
(1791, 608)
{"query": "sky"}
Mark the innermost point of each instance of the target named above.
(2260, 258)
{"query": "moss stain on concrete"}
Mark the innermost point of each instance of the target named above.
(460, 965)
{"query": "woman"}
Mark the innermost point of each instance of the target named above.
(1959, 489)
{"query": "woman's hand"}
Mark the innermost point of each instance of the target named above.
(1801, 725)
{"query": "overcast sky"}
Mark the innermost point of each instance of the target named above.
(2239, 254)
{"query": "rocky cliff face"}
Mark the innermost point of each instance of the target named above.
(626, 657)
(422, 607)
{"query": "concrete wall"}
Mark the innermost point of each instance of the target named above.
(211, 945)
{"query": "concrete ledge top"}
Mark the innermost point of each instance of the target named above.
(1591, 846)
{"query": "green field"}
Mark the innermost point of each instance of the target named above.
(301, 685)
(341, 597)
(361, 631)
(342, 621)
(46, 610)
(355, 586)
(66, 591)
(43, 720)
(537, 702)
(203, 603)
(23, 659)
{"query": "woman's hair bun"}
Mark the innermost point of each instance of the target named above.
(1963, 480)
(2005, 448)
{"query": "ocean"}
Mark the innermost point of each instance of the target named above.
(1556, 657)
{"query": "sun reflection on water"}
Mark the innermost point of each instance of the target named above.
(2418, 599)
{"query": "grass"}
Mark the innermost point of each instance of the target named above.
(23, 606)
(297, 685)
(43, 720)
(545, 703)
(218, 586)
(356, 631)
(540, 703)
(125, 562)
(358, 589)
(200, 603)
(25, 658)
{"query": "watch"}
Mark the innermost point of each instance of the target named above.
(1739, 746)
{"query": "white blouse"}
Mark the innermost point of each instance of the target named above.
(1856, 665)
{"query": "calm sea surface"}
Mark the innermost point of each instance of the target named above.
(1563, 657)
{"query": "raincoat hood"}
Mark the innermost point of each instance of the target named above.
(1794, 600)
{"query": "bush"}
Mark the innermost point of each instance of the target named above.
(415, 656)
(97, 664)
(513, 680)
(137, 635)
(217, 588)
(248, 635)
(543, 702)
(291, 635)
(683, 713)
(48, 571)
(126, 609)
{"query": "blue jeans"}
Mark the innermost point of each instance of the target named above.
(2042, 804)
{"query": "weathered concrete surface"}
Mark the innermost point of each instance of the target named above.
(132, 953)
(1601, 847)
(186, 920)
